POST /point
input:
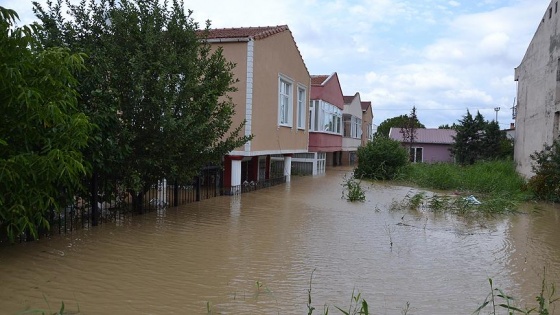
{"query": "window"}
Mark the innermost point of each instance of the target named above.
(325, 117)
(285, 102)
(356, 127)
(347, 122)
(416, 155)
(301, 107)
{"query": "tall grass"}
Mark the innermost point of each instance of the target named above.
(494, 178)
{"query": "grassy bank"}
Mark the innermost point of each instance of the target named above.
(495, 178)
(496, 184)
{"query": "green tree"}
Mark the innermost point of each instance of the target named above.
(382, 158)
(401, 121)
(477, 139)
(41, 128)
(447, 126)
(158, 92)
(409, 131)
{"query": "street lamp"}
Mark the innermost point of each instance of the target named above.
(497, 109)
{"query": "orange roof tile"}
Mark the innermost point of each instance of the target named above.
(245, 32)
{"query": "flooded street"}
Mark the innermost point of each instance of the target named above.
(255, 253)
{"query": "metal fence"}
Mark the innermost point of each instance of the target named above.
(84, 214)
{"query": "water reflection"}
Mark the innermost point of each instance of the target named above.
(254, 254)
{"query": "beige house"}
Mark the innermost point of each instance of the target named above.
(367, 122)
(352, 128)
(537, 112)
(272, 97)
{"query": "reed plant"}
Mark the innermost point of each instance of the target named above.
(352, 189)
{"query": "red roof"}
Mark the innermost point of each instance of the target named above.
(348, 99)
(438, 136)
(319, 79)
(245, 32)
(366, 105)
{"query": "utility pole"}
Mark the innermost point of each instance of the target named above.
(497, 109)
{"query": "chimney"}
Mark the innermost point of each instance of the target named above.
(512, 126)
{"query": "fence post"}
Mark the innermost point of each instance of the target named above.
(94, 200)
(175, 194)
(197, 183)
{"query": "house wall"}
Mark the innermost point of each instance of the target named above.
(538, 92)
(367, 123)
(354, 109)
(330, 92)
(276, 55)
(436, 153)
(323, 142)
(236, 52)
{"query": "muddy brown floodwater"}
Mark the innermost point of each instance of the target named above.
(255, 253)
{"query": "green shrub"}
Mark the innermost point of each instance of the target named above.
(353, 190)
(382, 158)
(546, 182)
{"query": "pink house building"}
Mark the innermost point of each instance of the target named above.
(325, 120)
(429, 146)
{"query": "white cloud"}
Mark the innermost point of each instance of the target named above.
(435, 54)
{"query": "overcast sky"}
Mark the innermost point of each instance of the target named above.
(442, 56)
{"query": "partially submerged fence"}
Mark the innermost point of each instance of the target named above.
(87, 212)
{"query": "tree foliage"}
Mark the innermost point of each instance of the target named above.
(546, 166)
(447, 126)
(41, 129)
(477, 139)
(381, 158)
(155, 89)
(401, 121)
(409, 130)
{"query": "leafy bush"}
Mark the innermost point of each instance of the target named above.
(381, 158)
(546, 182)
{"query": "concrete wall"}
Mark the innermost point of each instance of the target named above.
(538, 95)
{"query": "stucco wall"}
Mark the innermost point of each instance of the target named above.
(273, 55)
(276, 55)
(537, 95)
(236, 52)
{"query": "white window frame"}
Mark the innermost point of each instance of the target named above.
(414, 153)
(301, 106)
(285, 93)
(325, 114)
(356, 129)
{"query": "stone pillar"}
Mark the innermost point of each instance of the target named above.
(287, 166)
